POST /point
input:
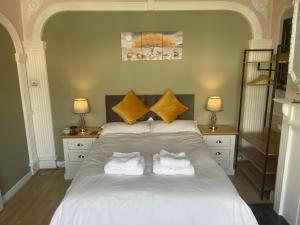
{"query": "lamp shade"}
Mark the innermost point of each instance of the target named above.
(80, 106)
(214, 104)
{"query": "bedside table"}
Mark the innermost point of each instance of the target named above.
(76, 148)
(222, 143)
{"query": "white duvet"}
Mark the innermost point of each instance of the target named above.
(209, 198)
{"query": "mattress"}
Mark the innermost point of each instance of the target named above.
(208, 198)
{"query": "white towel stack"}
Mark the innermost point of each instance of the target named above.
(166, 163)
(125, 164)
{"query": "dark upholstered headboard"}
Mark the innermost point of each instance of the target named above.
(111, 100)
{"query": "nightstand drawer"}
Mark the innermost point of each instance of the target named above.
(79, 144)
(218, 141)
(221, 154)
(77, 156)
(225, 164)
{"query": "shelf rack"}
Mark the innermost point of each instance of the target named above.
(262, 152)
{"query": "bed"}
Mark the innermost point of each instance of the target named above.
(208, 198)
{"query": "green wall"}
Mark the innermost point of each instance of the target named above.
(84, 60)
(13, 151)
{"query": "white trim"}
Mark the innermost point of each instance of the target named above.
(43, 17)
(8, 195)
(12, 32)
(40, 102)
(47, 164)
(60, 164)
(287, 192)
(295, 79)
(34, 167)
(251, 17)
(22, 76)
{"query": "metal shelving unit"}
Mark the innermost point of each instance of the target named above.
(261, 153)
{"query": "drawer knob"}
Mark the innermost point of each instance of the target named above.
(218, 141)
(218, 153)
(81, 156)
(79, 145)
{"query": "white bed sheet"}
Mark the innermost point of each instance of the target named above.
(209, 198)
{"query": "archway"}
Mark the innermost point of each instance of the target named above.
(37, 67)
(26, 105)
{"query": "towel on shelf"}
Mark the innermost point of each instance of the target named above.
(125, 164)
(174, 159)
(160, 169)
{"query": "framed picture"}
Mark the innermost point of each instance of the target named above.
(151, 45)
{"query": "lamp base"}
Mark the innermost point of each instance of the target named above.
(213, 128)
(213, 120)
(82, 131)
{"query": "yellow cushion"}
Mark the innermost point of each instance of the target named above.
(131, 108)
(168, 107)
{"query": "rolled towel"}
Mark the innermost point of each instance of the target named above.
(174, 159)
(160, 169)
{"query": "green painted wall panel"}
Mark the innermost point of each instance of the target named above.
(13, 149)
(84, 60)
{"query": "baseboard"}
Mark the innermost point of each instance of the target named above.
(60, 164)
(8, 195)
(34, 167)
(47, 164)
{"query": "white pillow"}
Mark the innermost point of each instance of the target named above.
(121, 127)
(174, 127)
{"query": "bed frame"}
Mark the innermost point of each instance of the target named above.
(111, 100)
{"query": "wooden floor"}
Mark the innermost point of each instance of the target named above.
(246, 189)
(36, 202)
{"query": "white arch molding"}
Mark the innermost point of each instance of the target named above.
(37, 30)
(12, 32)
(26, 105)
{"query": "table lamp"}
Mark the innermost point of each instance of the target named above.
(214, 104)
(81, 107)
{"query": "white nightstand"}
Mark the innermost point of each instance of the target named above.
(76, 148)
(222, 143)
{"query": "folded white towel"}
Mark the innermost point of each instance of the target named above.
(174, 159)
(124, 160)
(125, 164)
(160, 169)
(126, 155)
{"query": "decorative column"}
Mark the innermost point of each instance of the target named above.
(40, 102)
(27, 112)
